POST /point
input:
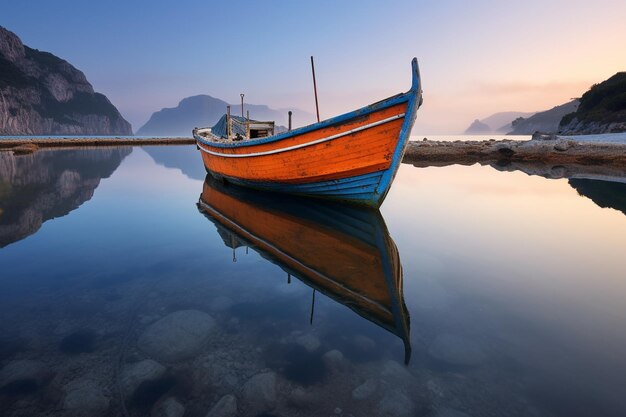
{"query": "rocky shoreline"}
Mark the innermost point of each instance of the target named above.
(545, 154)
(555, 151)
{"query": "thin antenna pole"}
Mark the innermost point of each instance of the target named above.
(227, 122)
(241, 104)
(317, 107)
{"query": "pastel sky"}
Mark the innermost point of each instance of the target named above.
(477, 57)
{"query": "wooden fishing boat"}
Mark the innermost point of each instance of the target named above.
(343, 251)
(352, 157)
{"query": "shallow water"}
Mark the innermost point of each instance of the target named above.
(509, 302)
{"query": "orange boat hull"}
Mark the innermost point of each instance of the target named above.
(352, 157)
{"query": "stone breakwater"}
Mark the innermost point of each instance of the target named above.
(552, 152)
(30, 145)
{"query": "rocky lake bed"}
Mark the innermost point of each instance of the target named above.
(143, 310)
(169, 352)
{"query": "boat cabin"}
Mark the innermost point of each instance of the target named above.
(238, 128)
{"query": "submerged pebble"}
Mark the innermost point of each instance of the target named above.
(395, 404)
(178, 336)
(225, 407)
(150, 392)
(260, 391)
(85, 397)
(394, 371)
(334, 360)
(169, 407)
(301, 398)
(138, 373)
(23, 376)
(309, 341)
(448, 412)
(365, 390)
(296, 363)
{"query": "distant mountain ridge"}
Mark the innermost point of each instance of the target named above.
(204, 110)
(477, 127)
(501, 121)
(42, 94)
(496, 123)
(545, 121)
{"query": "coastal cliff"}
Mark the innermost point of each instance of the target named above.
(602, 109)
(41, 94)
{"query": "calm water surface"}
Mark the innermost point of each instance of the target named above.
(122, 294)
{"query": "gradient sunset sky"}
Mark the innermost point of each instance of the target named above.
(476, 57)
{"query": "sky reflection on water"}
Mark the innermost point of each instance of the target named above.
(514, 287)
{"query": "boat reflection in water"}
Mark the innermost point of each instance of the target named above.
(345, 252)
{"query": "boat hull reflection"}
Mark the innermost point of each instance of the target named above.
(341, 250)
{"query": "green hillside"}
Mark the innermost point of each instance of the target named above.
(604, 102)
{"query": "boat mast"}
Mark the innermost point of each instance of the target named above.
(317, 108)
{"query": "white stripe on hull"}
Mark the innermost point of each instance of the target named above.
(302, 145)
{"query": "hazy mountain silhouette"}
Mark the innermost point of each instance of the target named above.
(496, 123)
(544, 121)
(477, 127)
